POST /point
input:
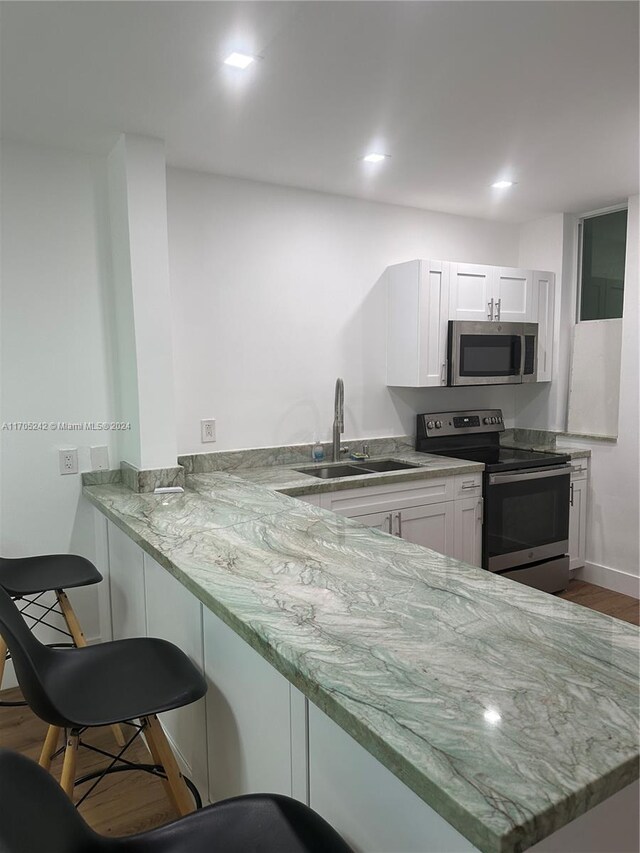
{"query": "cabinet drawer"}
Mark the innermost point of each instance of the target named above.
(468, 485)
(353, 502)
(579, 469)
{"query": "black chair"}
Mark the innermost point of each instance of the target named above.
(36, 816)
(117, 682)
(27, 580)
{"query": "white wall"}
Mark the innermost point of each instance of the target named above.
(614, 510)
(614, 501)
(544, 405)
(138, 214)
(276, 292)
(55, 358)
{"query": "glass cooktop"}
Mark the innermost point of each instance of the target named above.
(504, 458)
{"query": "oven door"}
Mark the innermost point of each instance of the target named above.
(526, 516)
(485, 353)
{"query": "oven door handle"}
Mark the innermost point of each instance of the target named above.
(531, 474)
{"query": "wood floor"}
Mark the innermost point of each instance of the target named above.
(603, 600)
(123, 803)
(127, 803)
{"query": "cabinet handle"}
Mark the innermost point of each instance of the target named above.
(481, 511)
(490, 309)
(443, 373)
(498, 308)
(390, 523)
(399, 517)
(470, 485)
(571, 494)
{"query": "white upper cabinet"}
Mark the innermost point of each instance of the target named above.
(472, 287)
(417, 314)
(513, 295)
(480, 292)
(423, 295)
(544, 290)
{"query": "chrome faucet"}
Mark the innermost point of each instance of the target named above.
(338, 419)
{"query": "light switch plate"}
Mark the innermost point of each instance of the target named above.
(99, 458)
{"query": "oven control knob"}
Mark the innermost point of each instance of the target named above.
(494, 420)
(438, 424)
(430, 424)
(486, 420)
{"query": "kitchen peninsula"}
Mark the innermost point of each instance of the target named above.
(501, 712)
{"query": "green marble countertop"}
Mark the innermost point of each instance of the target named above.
(509, 711)
(288, 479)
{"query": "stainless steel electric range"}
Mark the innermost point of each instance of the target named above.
(525, 531)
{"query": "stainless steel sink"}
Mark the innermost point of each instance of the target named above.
(383, 465)
(327, 472)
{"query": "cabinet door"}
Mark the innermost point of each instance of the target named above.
(249, 712)
(513, 295)
(544, 316)
(431, 526)
(175, 614)
(380, 520)
(126, 585)
(468, 531)
(433, 314)
(471, 292)
(577, 523)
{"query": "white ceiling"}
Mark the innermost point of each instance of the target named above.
(458, 93)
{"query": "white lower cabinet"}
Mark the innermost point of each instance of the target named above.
(468, 530)
(256, 720)
(370, 807)
(444, 514)
(578, 513)
(175, 614)
(431, 526)
(126, 585)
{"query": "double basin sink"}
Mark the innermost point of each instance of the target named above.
(356, 469)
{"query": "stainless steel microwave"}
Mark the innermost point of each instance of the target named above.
(487, 353)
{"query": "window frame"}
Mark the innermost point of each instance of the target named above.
(614, 208)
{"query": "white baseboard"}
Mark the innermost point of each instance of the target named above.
(613, 579)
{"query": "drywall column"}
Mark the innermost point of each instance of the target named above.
(142, 305)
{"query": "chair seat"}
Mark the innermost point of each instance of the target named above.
(30, 575)
(121, 680)
(254, 823)
(37, 816)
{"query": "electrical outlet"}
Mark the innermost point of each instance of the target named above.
(99, 458)
(207, 431)
(68, 461)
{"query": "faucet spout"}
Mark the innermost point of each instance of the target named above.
(338, 418)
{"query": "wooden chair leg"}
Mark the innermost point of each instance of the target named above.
(79, 639)
(68, 777)
(3, 658)
(162, 754)
(49, 747)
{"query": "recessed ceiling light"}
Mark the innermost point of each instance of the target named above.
(502, 185)
(375, 158)
(239, 60)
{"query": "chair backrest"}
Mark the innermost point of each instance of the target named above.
(36, 814)
(31, 660)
